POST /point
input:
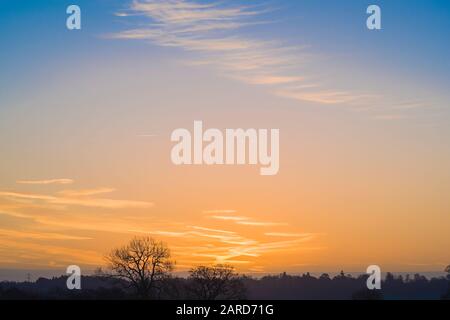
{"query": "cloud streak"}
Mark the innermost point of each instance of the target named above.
(260, 223)
(84, 202)
(85, 192)
(288, 235)
(44, 182)
(219, 211)
(39, 235)
(247, 221)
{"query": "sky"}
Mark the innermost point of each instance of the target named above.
(86, 117)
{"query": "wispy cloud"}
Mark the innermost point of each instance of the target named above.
(165, 233)
(254, 250)
(288, 235)
(260, 223)
(219, 211)
(48, 181)
(232, 218)
(246, 221)
(224, 246)
(214, 31)
(39, 235)
(322, 96)
(212, 230)
(51, 218)
(85, 192)
(14, 214)
(85, 202)
(226, 238)
(215, 35)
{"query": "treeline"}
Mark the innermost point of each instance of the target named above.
(282, 286)
(345, 286)
(142, 269)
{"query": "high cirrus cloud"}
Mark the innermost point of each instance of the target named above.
(214, 31)
(47, 181)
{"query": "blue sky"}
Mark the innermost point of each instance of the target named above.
(404, 66)
(413, 40)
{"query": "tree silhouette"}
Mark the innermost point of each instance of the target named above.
(446, 296)
(143, 262)
(216, 282)
(325, 277)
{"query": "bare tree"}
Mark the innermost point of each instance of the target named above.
(143, 262)
(216, 282)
